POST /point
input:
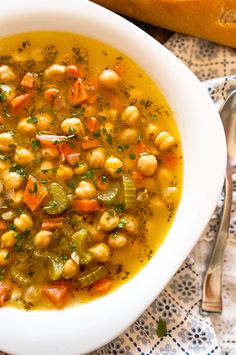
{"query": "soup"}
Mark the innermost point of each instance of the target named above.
(90, 169)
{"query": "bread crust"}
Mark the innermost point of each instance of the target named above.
(214, 20)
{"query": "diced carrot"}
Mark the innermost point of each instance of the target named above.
(77, 93)
(21, 101)
(34, 193)
(102, 185)
(5, 289)
(85, 205)
(74, 71)
(3, 225)
(93, 84)
(57, 293)
(70, 153)
(28, 81)
(170, 160)
(53, 223)
(137, 176)
(119, 69)
(48, 140)
(115, 101)
(90, 144)
(92, 124)
(141, 148)
(102, 286)
(73, 159)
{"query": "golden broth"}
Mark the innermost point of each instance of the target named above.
(157, 196)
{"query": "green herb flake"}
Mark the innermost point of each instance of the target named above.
(18, 169)
(104, 178)
(44, 182)
(11, 227)
(139, 138)
(97, 134)
(35, 189)
(153, 117)
(89, 174)
(132, 156)
(3, 96)
(115, 234)
(35, 144)
(119, 170)
(72, 185)
(2, 273)
(122, 223)
(161, 328)
(111, 213)
(32, 119)
(50, 204)
(119, 208)
(109, 139)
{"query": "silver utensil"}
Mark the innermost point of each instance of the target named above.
(212, 283)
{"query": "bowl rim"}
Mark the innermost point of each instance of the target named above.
(31, 329)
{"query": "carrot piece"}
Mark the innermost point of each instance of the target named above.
(90, 144)
(28, 81)
(137, 176)
(74, 71)
(77, 93)
(70, 153)
(57, 293)
(52, 95)
(92, 124)
(73, 159)
(3, 225)
(85, 205)
(5, 289)
(141, 148)
(52, 223)
(21, 101)
(1, 119)
(170, 160)
(101, 286)
(34, 193)
(119, 69)
(49, 140)
(102, 185)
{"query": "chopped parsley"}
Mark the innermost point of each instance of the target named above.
(123, 221)
(104, 178)
(89, 174)
(139, 138)
(35, 188)
(35, 144)
(122, 147)
(50, 204)
(161, 328)
(120, 207)
(153, 117)
(32, 119)
(109, 139)
(72, 185)
(43, 182)
(3, 96)
(2, 273)
(4, 157)
(18, 169)
(119, 170)
(97, 134)
(132, 156)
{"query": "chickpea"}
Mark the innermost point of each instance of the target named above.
(80, 168)
(96, 158)
(131, 115)
(64, 172)
(5, 257)
(156, 203)
(72, 126)
(170, 194)
(109, 79)
(24, 222)
(95, 234)
(23, 156)
(131, 227)
(164, 141)
(6, 139)
(17, 197)
(147, 165)
(26, 127)
(151, 131)
(55, 70)
(85, 190)
(6, 74)
(70, 269)
(45, 122)
(129, 135)
(12, 180)
(50, 153)
(4, 166)
(42, 239)
(164, 177)
(118, 241)
(32, 294)
(46, 168)
(114, 167)
(101, 252)
(8, 239)
(108, 220)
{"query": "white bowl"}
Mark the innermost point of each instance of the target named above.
(82, 329)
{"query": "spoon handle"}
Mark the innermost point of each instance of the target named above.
(212, 283)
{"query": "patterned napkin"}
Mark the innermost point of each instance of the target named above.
(189, 332)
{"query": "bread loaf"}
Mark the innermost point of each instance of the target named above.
(214, 20)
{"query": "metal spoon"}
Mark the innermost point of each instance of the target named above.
(212, 283)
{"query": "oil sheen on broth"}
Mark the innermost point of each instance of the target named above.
(90, 169)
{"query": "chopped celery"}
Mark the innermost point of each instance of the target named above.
(80, 239)
(129, 192)
(110, 196)
(59, 201)
(87, 278)
(56, 268)
(19, 277)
